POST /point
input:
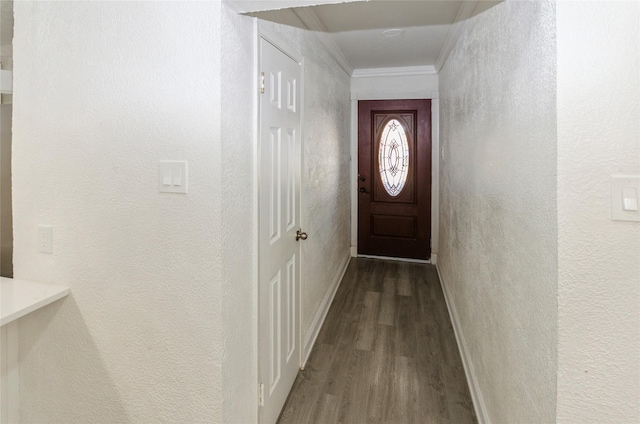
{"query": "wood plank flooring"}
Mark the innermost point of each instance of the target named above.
(385, 354)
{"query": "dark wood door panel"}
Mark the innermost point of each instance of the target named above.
(394, 209)
(394, 181)
(394, 226)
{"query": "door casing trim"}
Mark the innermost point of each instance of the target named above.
(262, 32)
(434, 96)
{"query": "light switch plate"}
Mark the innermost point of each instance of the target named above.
(45, 238)
(173, 176)
(621, 185)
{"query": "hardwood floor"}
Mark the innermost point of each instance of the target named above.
(385, 354)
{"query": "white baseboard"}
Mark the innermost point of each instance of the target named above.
(391, 258)
(323, 310)
(354, 251)
(476, 395)
(434, 259)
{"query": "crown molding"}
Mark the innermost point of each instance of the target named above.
(396, 95)
(455, 30)
(394, 72)
(311, 20)
(252, 6)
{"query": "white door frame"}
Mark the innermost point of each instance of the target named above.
(273, 38)
(435, 160)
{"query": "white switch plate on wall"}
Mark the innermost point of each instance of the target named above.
(173, 176)
(45, 238)
(625, 192)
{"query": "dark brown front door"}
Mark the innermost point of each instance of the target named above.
(394, 178)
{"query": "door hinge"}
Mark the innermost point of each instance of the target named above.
(261, 82)
(261, 394)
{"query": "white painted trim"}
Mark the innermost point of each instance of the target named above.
(264, 33)
(9, 374)
(301, 358)
(434, 96)
(323, 310)
(394, 72)
(311, 20)
(391, 258)
(409, 95)
(353, 149)
(474, 388)
(256, 215)
(434, 259)
(455, 30)
(435, 174)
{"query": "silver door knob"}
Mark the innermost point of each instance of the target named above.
(300, 235)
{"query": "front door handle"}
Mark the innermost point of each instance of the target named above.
(300, 235)
(363, 190)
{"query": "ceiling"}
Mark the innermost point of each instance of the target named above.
(353, 30)
(425, 30)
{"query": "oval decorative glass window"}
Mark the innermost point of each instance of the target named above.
(393, 157)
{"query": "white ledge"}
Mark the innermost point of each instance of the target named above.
(20, 297)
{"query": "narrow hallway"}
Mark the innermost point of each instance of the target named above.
(386, 353)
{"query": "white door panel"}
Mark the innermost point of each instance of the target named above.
(279, 256)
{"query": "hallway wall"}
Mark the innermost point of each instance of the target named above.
(161, 322)
(325, 195)
(102, 92)
(497, 253)
(598, 259)
(239, 250)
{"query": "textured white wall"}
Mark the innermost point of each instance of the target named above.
(326, 204)
(103, 90)
(598, 259)
(497, 251)
(239, 285)
(395, 84)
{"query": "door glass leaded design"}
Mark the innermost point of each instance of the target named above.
(393, 157)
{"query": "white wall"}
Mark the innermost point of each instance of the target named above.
(239, 245)
(102, 91)
(425, 84)
(326, 205)
(598, 259)
(497, 250)
(161, 324)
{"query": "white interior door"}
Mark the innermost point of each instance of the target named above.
(279, 255)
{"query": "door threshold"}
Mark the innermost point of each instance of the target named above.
(388, 258)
